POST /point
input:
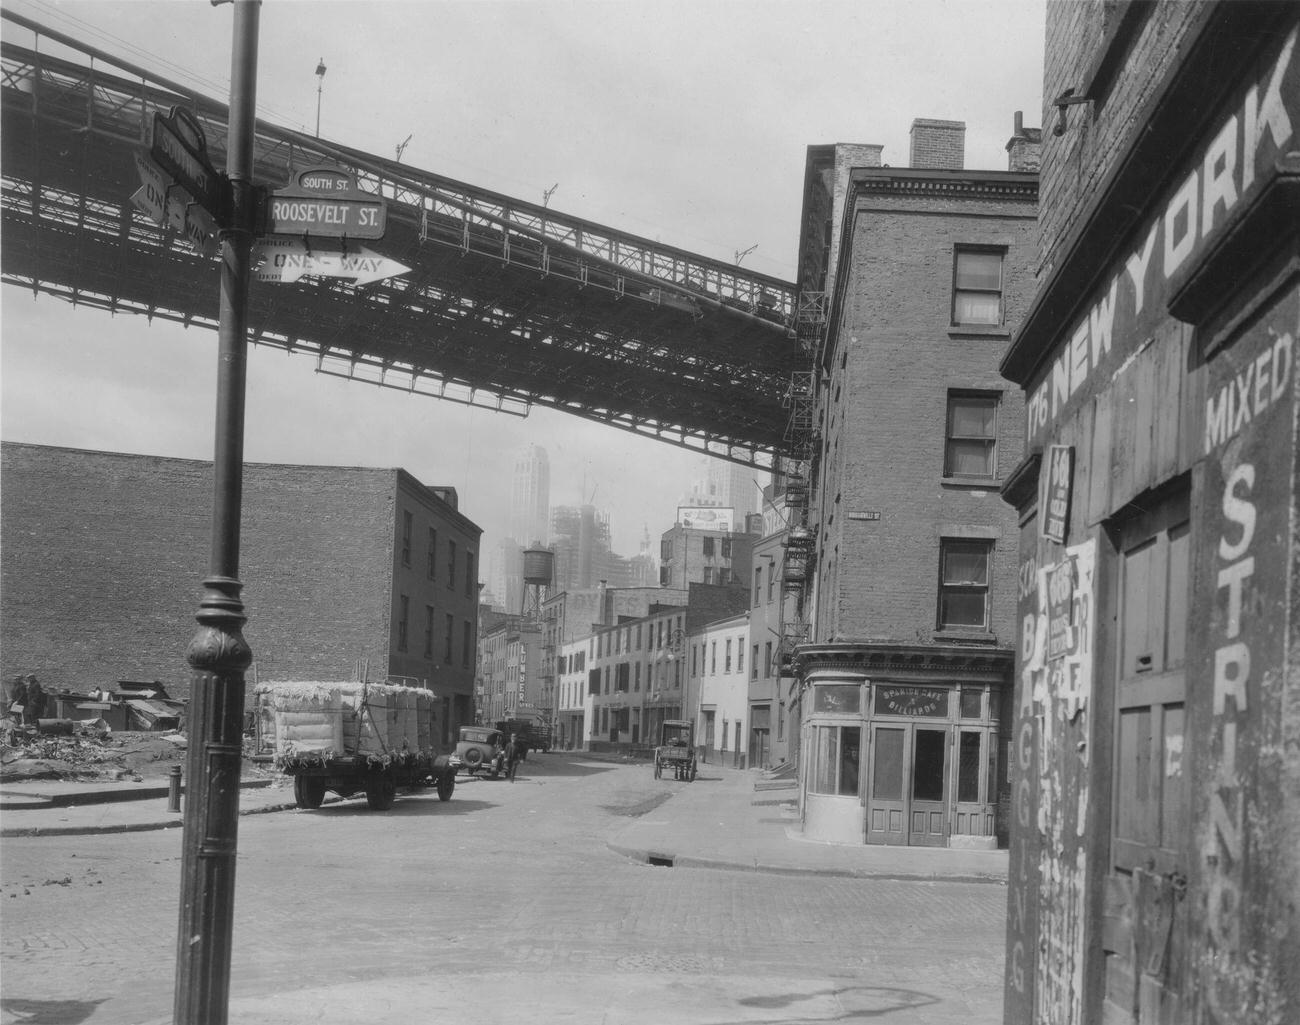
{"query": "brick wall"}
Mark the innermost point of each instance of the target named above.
(104, 556)
(1075, 163)
(885, 412)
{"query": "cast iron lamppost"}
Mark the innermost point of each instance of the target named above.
(218, 654)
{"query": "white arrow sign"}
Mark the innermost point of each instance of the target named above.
(288, 259)
(165, 202)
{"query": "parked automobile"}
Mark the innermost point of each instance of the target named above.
(479, 747)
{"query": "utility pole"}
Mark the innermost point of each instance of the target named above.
(218, 653)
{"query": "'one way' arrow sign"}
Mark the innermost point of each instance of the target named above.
(288, 259)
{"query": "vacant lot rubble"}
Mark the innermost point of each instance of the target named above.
(95, 754)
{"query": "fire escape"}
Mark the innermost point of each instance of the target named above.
(801, 440)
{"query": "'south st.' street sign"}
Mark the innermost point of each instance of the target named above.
(288, 259)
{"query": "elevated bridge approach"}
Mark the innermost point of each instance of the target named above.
(508, 305)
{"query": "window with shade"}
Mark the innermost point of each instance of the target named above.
(977, 287)
(837, 752)
(964, 584)
(971, 444)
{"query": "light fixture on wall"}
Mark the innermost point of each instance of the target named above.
(1066, 99)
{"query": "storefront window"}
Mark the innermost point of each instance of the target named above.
(846, 698)
(837, 753)
(972, 701)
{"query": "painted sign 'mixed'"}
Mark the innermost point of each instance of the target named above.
(1226, 172)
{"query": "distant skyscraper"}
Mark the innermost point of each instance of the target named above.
(530, 498)
(727, 485)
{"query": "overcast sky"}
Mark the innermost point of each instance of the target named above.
(685, 122)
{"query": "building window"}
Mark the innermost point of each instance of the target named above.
(713, 658)
(451, 565)
(767, 660)
(836, 755)
(758, 584)
(1151, 806)
(740, 655)
(706, 546)
(708, 574)
(428, 631)
(725, 546)
(403, 611)
(695, 651)
(636, 678)
(665, 550)
(977, 287)
(970, 448)
(446, 651)
(753, 663)
(466, 643)
(433, 553)
(406, 537)
(780, 721)
(638, 637)
(726, 658)
(469, 575)
(964, 584)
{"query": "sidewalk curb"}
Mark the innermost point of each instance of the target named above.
(660, 859)
(137, 827)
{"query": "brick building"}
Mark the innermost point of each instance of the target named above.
(1155, 849)
(346, 569)
(904, 562)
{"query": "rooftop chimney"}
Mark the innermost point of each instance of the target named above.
(938, 144)
(1025, 148)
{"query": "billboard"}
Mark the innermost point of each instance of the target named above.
(706, 517)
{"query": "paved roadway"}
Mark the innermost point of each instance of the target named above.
(504, 904)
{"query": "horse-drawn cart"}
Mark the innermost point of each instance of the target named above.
(676, 750)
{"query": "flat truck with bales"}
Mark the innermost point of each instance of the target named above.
(351, 738)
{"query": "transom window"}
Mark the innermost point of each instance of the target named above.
(977, 287)
(964, 584)
(971, 445)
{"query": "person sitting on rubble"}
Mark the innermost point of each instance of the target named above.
(34, 707)
(17, 697)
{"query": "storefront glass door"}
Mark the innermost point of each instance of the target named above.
(887, 807)
(929, 764)
(908, 800)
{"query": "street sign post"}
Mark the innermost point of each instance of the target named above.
(285, 260)
(325, 201)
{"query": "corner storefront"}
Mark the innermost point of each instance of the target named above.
(903, 745)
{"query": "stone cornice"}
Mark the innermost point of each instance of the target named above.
(1022, 187)
(905, 659)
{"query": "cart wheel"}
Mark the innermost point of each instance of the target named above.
(446, 786)
(308, 791)
(381, 792)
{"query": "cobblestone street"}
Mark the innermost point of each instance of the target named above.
(505, 898)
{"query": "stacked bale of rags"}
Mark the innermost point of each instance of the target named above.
(306, 720)
(313, 722)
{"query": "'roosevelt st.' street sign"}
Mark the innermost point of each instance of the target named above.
(325, 201)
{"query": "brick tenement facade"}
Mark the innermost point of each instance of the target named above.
(104, 555)
(912, 593)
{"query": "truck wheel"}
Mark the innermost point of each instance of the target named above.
(381, 792)
(446, 786)
(308, 791)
